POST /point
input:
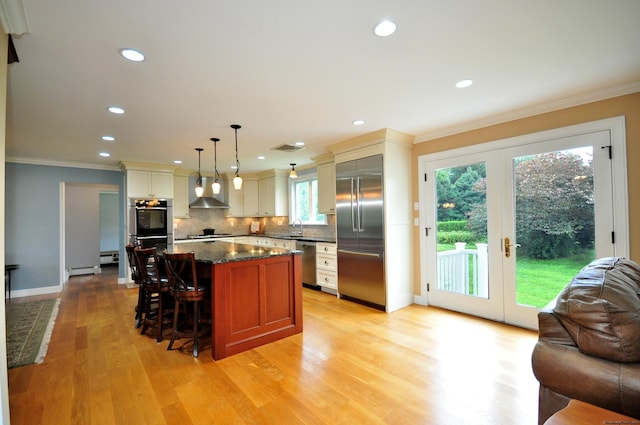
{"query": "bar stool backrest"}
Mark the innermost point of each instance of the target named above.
(181, 272)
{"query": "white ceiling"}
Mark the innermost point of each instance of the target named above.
(290, 70)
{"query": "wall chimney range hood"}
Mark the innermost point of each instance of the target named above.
(207, 200)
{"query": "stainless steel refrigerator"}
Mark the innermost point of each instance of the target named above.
(360, 230)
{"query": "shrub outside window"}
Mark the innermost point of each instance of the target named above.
(303, 199)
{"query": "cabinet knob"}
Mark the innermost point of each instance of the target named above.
(326, 249)
(326, 279)
(326, 263)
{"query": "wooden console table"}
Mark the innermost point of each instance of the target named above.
(581, 413)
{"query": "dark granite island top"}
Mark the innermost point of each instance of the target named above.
(217, 252)
(256, 293)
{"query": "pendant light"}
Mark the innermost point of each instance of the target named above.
(199, 188)
(237, 180)
(292, 173)
(215, 186)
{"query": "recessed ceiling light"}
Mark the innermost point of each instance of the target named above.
(299, 143)
(115, 110)
(108, 138)
(132, 54)
(261, 157)
(464, 83)
(105, 154)
(359, 121)
(177, 161)
(384, 28)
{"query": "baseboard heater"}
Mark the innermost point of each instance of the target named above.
(75, 271)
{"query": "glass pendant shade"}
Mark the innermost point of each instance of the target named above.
(237, 182)
(199, 188)
(215, 186)
(293, 174)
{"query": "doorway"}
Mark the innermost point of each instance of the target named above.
(89, 222)
(508, 223)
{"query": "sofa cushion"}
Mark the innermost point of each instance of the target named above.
(600, 309)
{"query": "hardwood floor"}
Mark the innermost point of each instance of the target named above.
(351, 365)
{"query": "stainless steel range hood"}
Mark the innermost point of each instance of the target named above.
(207, 200)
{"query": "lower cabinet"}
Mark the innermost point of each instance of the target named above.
(326, 265)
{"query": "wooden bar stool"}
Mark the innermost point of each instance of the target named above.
(133, 266)
(155, 286)
(186, 288)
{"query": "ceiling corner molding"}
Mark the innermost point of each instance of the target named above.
(13, 17)
(50, 163)
(531, 110)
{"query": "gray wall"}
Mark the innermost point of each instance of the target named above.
(109, 221)
(32, 219)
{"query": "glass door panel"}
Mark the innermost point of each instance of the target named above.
(461, 230)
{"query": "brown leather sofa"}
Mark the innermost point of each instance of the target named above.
(589, 341)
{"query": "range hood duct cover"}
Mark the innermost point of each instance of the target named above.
(207, 200)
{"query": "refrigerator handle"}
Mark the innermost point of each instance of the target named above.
(364, 254)
(358, 206)
(353, 217)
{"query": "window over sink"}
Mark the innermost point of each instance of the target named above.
(303, 197)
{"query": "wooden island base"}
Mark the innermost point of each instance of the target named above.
(255, 302)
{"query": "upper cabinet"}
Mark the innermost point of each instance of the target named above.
(327, 188)
(273, 196)
(148, 181)
(180, 196)
(262, 195)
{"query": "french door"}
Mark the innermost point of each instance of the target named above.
(506, 228)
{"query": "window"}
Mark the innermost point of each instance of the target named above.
(303, 198)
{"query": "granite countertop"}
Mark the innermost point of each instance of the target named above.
(217, 252)
(300, 237)
(288, 236)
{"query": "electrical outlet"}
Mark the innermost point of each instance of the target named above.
(279, 222)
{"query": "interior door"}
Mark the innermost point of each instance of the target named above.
(506, 229)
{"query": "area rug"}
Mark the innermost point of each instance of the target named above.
(29, 328)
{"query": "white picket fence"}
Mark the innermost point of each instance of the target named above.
(464, 271)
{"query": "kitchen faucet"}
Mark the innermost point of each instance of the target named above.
(297, 220)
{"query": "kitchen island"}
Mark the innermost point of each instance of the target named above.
(256, 293)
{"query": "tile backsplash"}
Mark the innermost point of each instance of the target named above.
(215, 218)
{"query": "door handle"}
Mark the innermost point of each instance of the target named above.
(507, 247)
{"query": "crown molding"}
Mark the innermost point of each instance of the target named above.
(50, 163)
(530, 111)
(13, 17)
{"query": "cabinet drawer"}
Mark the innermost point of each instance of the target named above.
(326, 248)
(326, 261)
(326, 278)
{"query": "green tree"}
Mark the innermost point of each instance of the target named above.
(554, 205)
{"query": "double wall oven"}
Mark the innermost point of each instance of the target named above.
(151, 222)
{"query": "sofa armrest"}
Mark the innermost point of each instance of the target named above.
(565, 370)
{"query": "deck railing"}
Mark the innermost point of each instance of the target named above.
(464, 271)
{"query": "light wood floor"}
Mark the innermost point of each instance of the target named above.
(351, 365)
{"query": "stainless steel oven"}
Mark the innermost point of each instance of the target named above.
(151, 222)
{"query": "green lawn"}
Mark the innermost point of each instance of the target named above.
(540, 281)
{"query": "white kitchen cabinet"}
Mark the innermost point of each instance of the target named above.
(180, 196)
(273, 196)
(263, 195)
(251, 193)
(242, 202)
(326, 265)
(289, 244)
(149, 184)
(327, 188)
